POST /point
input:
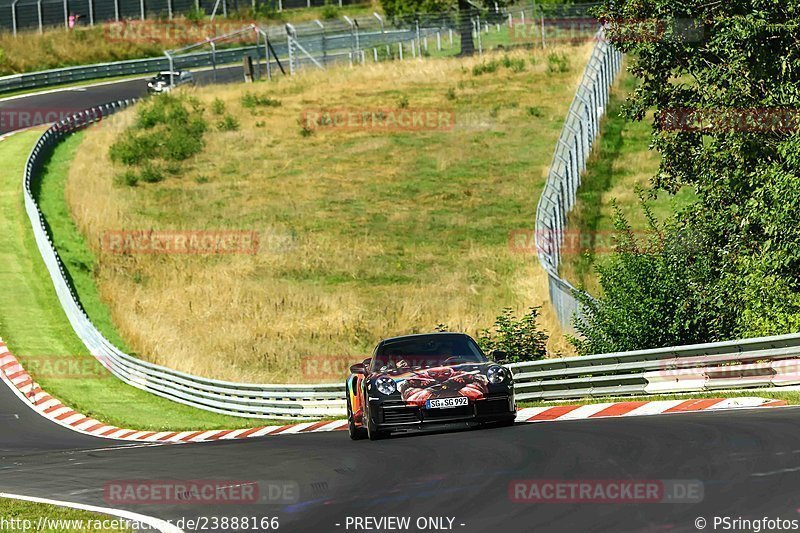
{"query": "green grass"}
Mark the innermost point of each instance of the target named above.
(77, 258)
(621, 162)
(791, 397)
(33, 324)
(28, 516)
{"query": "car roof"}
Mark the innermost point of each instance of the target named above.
(413, 335)
(167, 72)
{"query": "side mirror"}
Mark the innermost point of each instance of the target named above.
(358, 368)
(498, 356)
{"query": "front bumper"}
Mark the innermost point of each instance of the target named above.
(397, 415)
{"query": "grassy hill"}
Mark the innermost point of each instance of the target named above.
(365, 232)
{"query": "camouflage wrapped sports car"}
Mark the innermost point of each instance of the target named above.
(419, 380)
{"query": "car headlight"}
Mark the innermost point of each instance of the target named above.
(496, 374)
(386, 386)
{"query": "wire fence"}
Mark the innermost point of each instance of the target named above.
(580, 130)
(16, 15)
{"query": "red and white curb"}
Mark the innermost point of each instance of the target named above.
(639, 408)
(22, 384)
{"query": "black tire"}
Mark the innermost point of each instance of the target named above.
(356, 433)
(373, 432)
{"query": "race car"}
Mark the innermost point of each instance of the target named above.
(165, 81)
(418, 381)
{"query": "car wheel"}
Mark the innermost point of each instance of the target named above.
(507, 423)
(356, 433)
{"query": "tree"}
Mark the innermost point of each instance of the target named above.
(466, 10)
(724, 81)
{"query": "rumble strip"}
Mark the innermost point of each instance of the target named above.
(23, 385)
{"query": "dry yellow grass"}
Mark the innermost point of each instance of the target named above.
(365, 234)
(58, 47)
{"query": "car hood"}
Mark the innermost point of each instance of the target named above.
(402, 373)
(419, 385)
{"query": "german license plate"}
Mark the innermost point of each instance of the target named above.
(444, 403)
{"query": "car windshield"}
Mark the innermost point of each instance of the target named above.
(426, 351)
(165, 77)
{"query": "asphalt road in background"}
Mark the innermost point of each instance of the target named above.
(748, 461)
(31, 110)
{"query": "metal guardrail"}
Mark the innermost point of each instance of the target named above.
(236, 399)
(49, 78)
(560, 191)
(328, 41)
(760, 362)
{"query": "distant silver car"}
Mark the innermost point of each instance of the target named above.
(166, 80)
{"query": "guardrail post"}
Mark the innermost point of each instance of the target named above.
(543, 39)
(39, 12)
(14, 17)
(214, 59)
(141, 8)
(478, 32)
(169, 8)
(91, 12)
(66, 14)
(116, 10)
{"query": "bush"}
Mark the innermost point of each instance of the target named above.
(450, 94)
(657, 291)
(534, 111)
(218, 107)
(250, 100)
(329, 12)
(520, 338)
(133, 148)
(402, 102)
(195, 14)
(182, 145)
(128, 178)
(151, 174)
(557, 63)
(484, 68)
(228, 123)
(516, 64)
(164, 130)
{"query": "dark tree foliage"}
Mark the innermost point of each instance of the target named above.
(724, 81)
(462, 10)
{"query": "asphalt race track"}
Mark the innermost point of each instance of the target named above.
(747, 460)
(22, 112)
